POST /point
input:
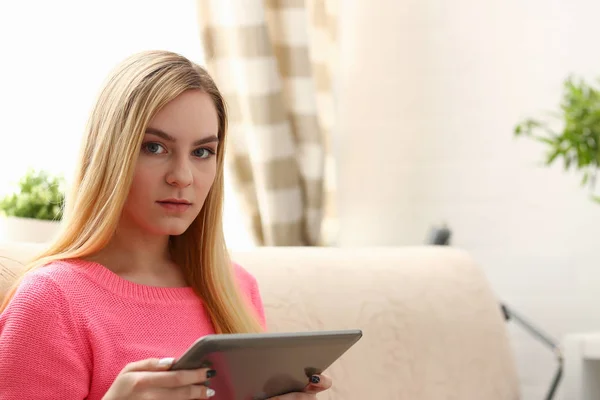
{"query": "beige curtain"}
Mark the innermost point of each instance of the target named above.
(274, 61)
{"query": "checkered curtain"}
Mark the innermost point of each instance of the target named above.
(273, 61)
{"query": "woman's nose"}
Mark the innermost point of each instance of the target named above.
(180, 173)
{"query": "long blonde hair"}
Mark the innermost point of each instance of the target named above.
(134, 92)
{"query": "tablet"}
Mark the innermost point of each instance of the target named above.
(262, 365)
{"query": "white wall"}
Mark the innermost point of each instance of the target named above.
(430, 92)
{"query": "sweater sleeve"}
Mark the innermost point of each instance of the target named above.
(258, 303)
(42, 354)
(249, 286)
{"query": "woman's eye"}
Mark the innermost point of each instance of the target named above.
(153, 148)
(203, 152)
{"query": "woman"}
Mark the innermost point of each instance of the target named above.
(140, 269)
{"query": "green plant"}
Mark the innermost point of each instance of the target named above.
(40, 196)
(577, 143)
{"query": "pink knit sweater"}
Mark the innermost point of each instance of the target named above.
(73, 325)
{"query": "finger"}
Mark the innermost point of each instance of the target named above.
(318, 383)
(150, 364)
(191, 392)
(174, 379)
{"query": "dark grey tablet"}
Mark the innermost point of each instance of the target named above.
(263, 365)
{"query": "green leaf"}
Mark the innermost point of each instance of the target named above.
(518, 130)
(567, 163)
(585, 178)
(39, 196)
(553, 156)
(577, 143)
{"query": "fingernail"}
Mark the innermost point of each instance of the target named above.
(165, 362)
(210, 392)
(210, 373)
(315, 379)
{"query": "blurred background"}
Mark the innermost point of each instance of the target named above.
(416, 128)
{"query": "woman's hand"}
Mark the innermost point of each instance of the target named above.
(150, 379)
(318, 383)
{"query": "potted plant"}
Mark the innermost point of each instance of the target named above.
(32, 213)
(576, 141)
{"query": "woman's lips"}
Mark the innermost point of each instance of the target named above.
(174, 206)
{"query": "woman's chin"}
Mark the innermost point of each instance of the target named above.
(176, 232)
(171, 229)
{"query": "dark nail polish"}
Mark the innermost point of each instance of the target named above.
(210, 373)
(315, 379)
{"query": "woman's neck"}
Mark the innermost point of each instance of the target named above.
(140, 258)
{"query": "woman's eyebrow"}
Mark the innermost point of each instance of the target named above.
(166, 136)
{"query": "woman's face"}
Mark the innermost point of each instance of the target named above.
(176, 166)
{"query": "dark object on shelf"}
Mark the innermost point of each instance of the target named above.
(441, 236)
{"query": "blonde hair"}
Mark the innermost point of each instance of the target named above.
(134, 92)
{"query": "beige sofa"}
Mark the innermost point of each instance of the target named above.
(433, 329)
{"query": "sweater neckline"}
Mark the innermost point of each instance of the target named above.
(106, 278)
